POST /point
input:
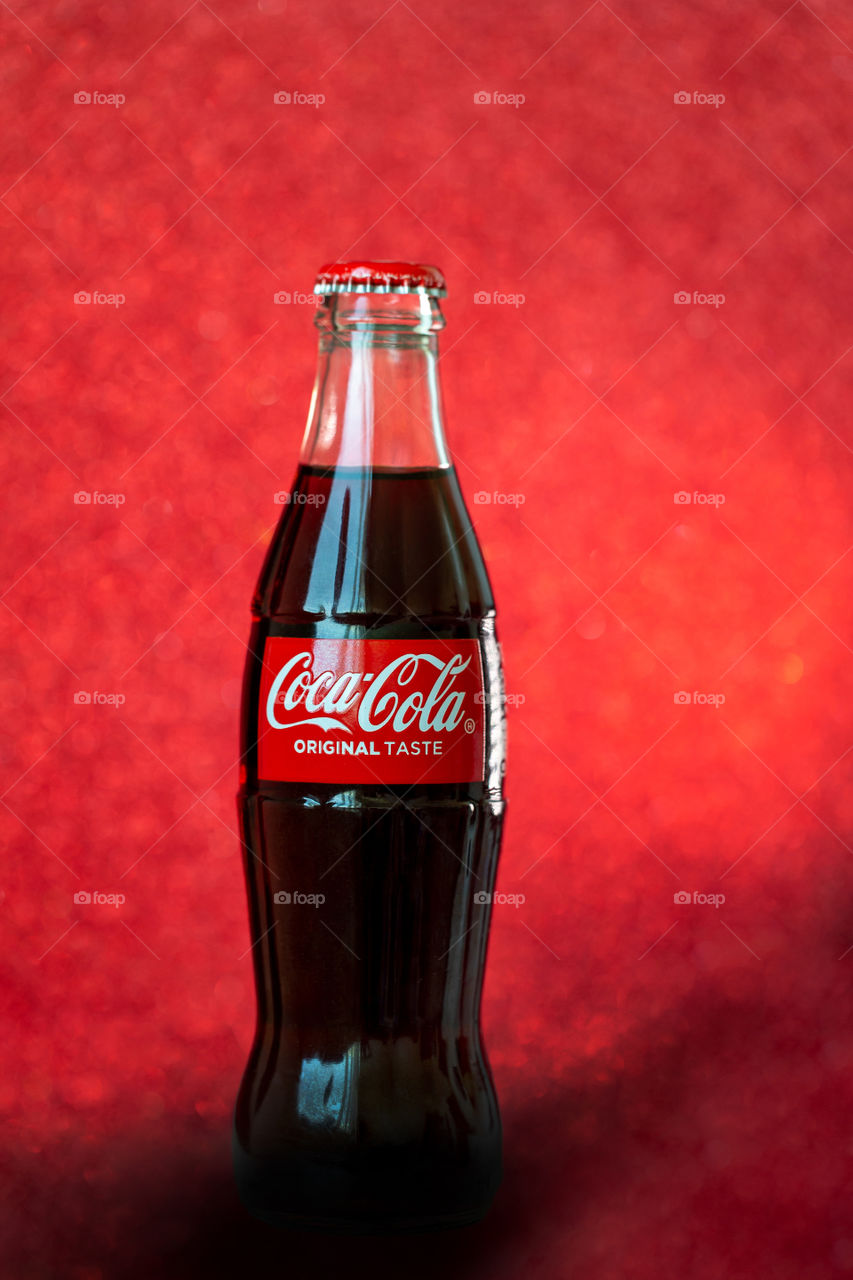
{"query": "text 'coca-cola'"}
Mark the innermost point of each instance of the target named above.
(381, 711)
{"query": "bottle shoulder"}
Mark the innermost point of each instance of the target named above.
(365, 548)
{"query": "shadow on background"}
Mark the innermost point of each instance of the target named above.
(572, 1147)
(571, 1154)
(226, 1240)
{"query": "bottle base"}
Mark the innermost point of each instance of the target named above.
(364, 1226)
(309, 1196)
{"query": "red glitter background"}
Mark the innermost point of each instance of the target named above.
(674, 1077)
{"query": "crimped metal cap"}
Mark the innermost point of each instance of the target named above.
(380, 277)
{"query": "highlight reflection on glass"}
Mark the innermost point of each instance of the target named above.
(326, 1093)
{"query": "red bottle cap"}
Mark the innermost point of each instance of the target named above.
(380, 277)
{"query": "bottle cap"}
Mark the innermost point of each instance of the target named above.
(380, 277)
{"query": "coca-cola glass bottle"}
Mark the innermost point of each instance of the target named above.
(371, 798)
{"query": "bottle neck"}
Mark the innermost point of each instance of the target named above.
(377, 397)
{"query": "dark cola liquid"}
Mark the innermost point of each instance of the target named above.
(367, 1103)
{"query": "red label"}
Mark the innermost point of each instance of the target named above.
(371, 711)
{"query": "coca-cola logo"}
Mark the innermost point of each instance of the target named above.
(393, 698)
(365, 710)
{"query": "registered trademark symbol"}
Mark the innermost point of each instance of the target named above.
(470, 725)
